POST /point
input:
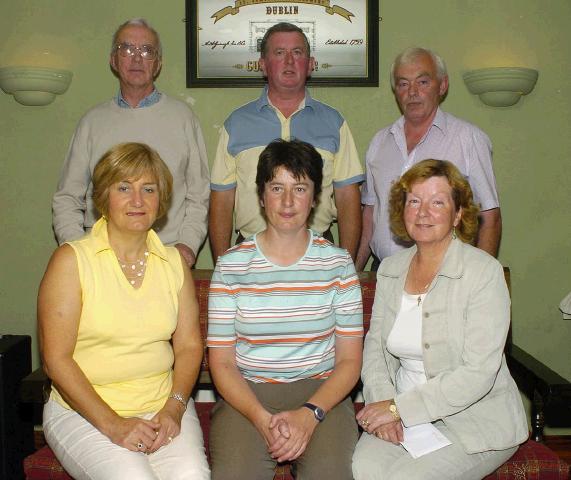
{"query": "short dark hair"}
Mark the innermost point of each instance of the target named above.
(297, 157)
(130, 160)
(282, 27)
(461, 195)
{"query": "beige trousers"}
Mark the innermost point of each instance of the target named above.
(87, 454)
(375, 459)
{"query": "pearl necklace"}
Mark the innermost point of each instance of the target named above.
(134, 270)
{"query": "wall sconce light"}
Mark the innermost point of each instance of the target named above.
(501, 86)
(34, 86)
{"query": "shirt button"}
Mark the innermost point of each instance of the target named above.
(427, 346)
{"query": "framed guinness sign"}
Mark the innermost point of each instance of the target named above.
(223, 40)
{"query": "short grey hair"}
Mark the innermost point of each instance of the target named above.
(140, 22)
(413, 53)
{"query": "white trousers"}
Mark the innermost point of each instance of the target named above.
(87, 454)
(376, 459)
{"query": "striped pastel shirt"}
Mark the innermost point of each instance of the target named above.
(283, 321)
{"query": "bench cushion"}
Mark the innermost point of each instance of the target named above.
(532, 461)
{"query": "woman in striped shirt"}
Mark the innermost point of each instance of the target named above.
(285, 335)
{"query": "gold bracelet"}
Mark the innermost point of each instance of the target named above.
(179, 398)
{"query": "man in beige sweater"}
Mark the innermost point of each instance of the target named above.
(138, 113)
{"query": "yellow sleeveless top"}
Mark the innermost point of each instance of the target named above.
(123, 341)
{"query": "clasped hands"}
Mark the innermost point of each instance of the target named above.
(376, 419)
(288, 433)
(147, 436)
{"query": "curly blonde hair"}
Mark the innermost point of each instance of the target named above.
(130, 160)
(461, 195)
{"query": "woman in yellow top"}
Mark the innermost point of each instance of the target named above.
(119, 335)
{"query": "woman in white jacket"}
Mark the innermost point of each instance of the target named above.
(434, 352)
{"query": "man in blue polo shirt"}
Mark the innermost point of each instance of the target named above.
(284, 110)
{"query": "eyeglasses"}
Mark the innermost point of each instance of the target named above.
(148, 52)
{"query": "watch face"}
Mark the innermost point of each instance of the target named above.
(317, 411)
(319, 414)
(394, 411)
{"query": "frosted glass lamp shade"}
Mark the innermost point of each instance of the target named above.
(501, 86)
(34, 86)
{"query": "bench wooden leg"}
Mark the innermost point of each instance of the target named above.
(537, 417)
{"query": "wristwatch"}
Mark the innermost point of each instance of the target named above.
(317, 411)
(393, 410)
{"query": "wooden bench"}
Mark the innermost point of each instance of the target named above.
(532, 461)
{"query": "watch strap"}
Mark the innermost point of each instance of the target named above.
(317, 411)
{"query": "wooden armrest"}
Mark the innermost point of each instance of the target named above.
(34, 392)
(35, 387)
(204, 381)
(548, 391)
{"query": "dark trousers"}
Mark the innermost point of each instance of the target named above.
(239, 452)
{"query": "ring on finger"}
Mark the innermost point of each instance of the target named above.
(365, 423)
(169, 439)
(140, 446)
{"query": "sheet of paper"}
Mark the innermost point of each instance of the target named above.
(422, 439)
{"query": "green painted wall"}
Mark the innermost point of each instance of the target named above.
(532, 144)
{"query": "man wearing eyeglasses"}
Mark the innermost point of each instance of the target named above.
(138, 113)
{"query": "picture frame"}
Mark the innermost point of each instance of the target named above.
(223, 40)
